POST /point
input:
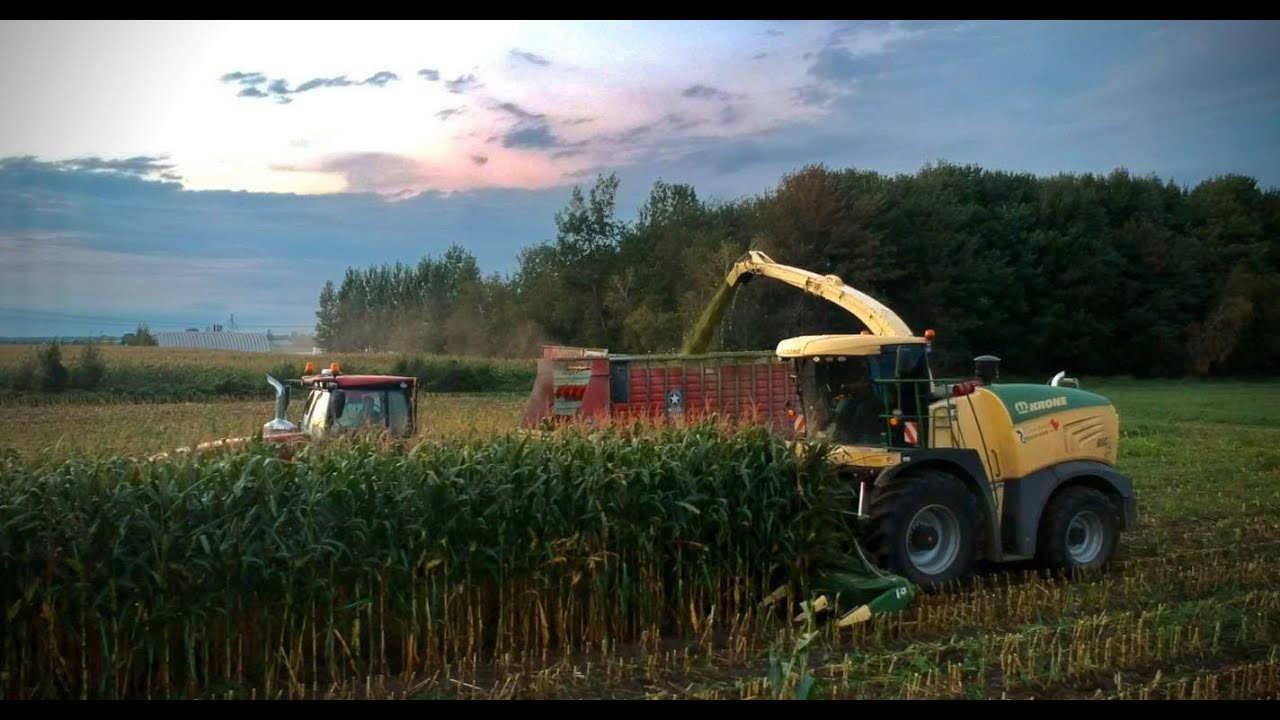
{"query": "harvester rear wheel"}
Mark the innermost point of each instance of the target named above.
(1079, 530)
(926, 527)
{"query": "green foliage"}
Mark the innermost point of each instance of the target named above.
(53, 374)
(140, 337)
(440, 306)
(1093, 274)
(90, 369)
(789, 675)
(446, 375)
(208, 375)
(113, 571)
(25, 375)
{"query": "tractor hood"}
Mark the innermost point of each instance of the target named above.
(1030, 401)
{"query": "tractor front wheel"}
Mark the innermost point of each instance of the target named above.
(926, 527)
(1079, 531)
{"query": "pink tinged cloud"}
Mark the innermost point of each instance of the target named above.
(398, 176)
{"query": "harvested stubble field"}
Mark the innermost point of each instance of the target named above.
(486, 565)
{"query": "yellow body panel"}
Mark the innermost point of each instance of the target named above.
(862, 456)
(1012, 450)
(847, 345)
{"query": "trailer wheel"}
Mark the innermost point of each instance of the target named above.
(926, 527)
(1079, 530)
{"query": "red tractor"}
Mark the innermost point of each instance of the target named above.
(336, 405)
(340, 404)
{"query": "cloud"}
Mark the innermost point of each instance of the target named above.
(479, 159)
(875, 37)
(340, 81)
(531, 135)
(448, 113)
(836, 65)
(634, 134)
(706, 92)
(381, 78)
(85, 251)
(727, 158)
(811, 95)
(730, 114)
(531, 130)
(243, 78)
(34, 191)
(138, 166)
(680, 122)
(846, 55)
(376, 172)
(429, 74)
(531, 57)
(519, 112)
(462, 84)
(1193, 70)
(278, 88)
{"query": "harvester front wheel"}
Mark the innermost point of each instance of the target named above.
(1079, 531)
(926, 528)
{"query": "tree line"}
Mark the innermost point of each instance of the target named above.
(1098, 274)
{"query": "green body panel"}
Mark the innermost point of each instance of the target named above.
(860, 584)
(1028, 401)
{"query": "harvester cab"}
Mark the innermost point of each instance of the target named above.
(338, 404)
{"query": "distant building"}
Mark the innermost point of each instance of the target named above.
(238, 341)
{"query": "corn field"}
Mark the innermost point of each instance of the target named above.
(625, 563)
(205, 577)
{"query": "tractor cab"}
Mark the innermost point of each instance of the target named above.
(865, 391)
(340, 404)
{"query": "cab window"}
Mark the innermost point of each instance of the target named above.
(363, 409)
(843, 404)
(398, 409)
(317, 415)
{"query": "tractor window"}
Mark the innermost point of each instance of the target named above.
(910, 364)
(841, 402)
(398, 408)
(316, 418)
(364, 409)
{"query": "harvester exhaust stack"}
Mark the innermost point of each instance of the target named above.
(280, 423)
(987, 368)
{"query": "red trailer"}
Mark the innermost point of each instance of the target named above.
(590, 384)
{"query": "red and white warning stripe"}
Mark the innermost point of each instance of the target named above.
(909, 432)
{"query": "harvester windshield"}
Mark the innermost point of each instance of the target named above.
(848, 399)
(841, 403)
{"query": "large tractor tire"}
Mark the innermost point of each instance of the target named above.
(1079, 531)
(926, 527)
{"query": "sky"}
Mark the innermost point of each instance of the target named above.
(181, 173)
